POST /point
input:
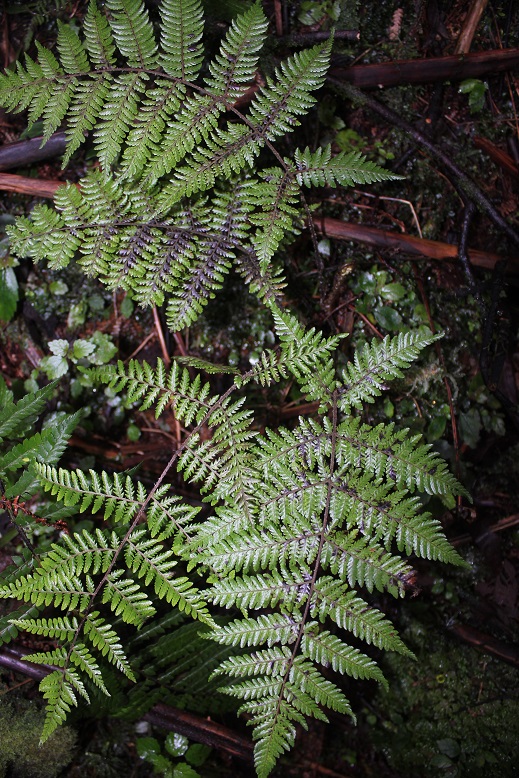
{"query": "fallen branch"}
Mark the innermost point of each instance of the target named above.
(335, 228)
(25, 152)
(456, 67)
(36, 187)
(498, 156)
(469, 26)
(486, 643)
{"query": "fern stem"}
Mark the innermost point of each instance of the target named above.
(317, 565)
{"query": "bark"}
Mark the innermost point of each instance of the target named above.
(498, 156)
(469, 26)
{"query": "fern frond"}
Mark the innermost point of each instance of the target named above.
(61, 627)
(180, 38)
(203, 276)
(148, 559)
(274, 109)
(99, 41)
(191, 399)
(274, 731)
(258, 591)
(364, 564)
(127, 599)
(107, 642)
(267, 628)
(308, 356)
(72, 54)
(401, 457)
(17, 417)
(116, 494)
(85, 109)
(133, 33)
(84, 661)
(119, 113)
(330, 651)
(275, 199)
(8, 622)
(59, 689)
(319, 168)
(335, 600)
(378, 363)
(155, 112)
(236, 62)
(45, 446)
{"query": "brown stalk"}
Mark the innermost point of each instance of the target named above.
(408, 244)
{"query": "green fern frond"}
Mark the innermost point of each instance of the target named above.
(335, 600)
(98, 38)
(45, 446)
(235, 64)
(148, 559)
(319, 168)
(61, 627)
(264, 629)
(133, 33)
(274, 109)
(107, 642)
(295, 520)
(84, 661)
(127, 599)
(180, 39)
(8, 622)
(329, 651)
(378, 363)
(119, 113)
(59, 689)
(17, 417)
(275, 198)
(191, 399)
(116, 494)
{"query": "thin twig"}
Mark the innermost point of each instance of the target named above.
(160, 335)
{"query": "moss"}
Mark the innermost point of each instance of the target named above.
(21, 756)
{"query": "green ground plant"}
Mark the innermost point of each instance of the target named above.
(297, 519)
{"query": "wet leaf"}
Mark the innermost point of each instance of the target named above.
(8, 293)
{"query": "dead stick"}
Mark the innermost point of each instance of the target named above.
(486, 643)
(36, 187)
(498, 156)
(455, 67)
(469, 26)
(335, 228)
(25, 152)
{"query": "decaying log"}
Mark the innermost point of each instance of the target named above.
(456, 67)
(335, 228)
